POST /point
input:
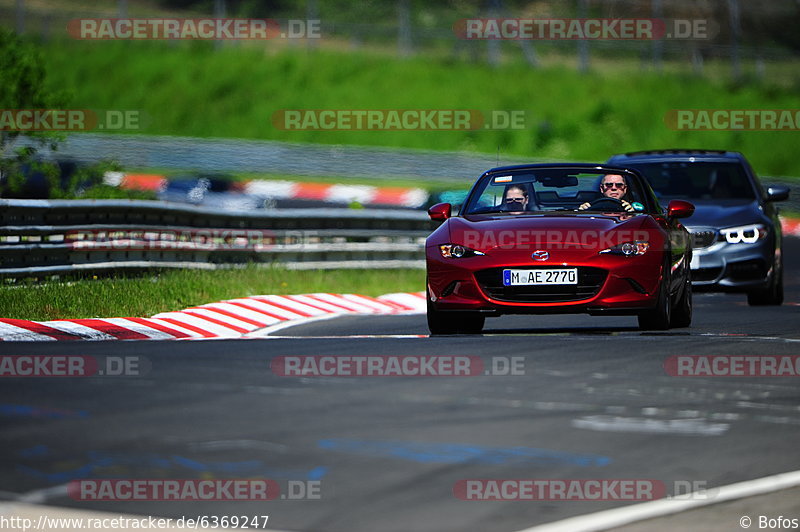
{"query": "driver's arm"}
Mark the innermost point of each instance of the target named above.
(584, 206)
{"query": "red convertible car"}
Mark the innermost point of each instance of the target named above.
(559, 238)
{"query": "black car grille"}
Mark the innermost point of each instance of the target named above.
(746, 270)
(590, 280)
(703, 239)
(706, 274)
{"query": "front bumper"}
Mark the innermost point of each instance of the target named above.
(607, 284)
(728, 267)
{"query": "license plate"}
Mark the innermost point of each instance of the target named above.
(540, 277)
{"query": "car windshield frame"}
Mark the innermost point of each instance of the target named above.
(554, 189)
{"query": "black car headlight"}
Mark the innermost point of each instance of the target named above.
(744, 234)
(629, 249)
(457, 251)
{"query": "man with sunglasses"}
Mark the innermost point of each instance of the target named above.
(613, 186)
(516, 199)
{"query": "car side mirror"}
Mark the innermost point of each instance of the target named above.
(679, 209)
(777, 193)
(440, 211)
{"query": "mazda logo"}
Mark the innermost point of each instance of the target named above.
(540, 254)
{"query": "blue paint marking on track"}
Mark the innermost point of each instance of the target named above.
(97, 462)
(35, 451)
(457, 453)
(39, 412)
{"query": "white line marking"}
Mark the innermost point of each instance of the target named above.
(605, 423)
(648, 510)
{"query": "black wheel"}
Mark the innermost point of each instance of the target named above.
(772, 295)
(682, 313)
(443, 322)
(659, 318)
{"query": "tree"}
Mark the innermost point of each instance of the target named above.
(23, 73)
(24, 85)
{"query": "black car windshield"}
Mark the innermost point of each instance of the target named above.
(549, 189)
(697, 180)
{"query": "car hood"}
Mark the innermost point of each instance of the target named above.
(487, 232)
(724, 213)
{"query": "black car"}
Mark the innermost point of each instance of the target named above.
(735, 229)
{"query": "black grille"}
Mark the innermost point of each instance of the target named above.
(747, 270)
(703, 239)
(705, 274)
(590, 280)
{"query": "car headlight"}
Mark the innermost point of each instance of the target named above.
(457, 251)
(747, 234)
(629, 249)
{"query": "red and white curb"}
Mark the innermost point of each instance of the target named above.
(364, 194)
(232, 318)
(279, 189)
(790, 226)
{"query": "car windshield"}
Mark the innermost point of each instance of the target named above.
(549, 189)
(697, 180)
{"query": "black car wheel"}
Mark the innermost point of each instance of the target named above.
(772, 295)
(682, 313)
(443, 322)
(659, 318)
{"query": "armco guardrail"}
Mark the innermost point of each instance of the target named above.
(43, 237)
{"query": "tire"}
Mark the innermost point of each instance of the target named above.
(772, 295)
(659, 318)
(443, 322)
(682, 313)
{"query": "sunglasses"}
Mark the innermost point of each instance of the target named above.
(614, 185)
(515, 200)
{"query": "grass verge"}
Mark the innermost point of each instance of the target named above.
(146, 295)
(236, 92)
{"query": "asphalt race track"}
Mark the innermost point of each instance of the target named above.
(594, 401)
